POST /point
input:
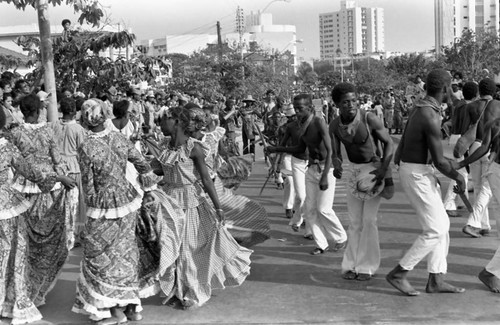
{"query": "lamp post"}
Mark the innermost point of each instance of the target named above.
(273, 1)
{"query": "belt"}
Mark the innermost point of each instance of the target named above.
(317, 163)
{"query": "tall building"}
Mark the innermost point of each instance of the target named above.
(351, 30)
(451, 17)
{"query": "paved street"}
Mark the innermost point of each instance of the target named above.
(287, 285)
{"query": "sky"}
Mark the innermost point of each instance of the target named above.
(409, 24)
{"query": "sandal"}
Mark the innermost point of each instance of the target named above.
(295, 228)
(349, 275)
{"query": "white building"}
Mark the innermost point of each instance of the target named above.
(451, 17)
(351, 30)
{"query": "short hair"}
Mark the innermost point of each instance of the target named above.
(7, 75)
(30, 104)
(79, 103)
(3, 119)
(65, 21)
(191, 106)
(7, 95)
(120, 108)
(4, 82)
(341, 89)
(487, 87)
(18, 83)
(437, 79)
(305, 97)
(469, 90)
(68, 105)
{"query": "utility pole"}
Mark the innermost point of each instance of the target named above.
(219, 42)
(240, 28)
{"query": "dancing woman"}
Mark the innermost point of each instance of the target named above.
(246, 220)
(15, 299)
(49, 218)
(109, 270)
(209, 257)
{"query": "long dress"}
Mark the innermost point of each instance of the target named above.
(70, 135)
(246, 220)
(110, 266)
(15, 299)
(209, 257)
(49, 219)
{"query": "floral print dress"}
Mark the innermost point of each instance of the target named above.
(110, 266)
(15, 299)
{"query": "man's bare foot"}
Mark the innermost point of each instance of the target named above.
(397, 278)
(490, 280)
(436, 284)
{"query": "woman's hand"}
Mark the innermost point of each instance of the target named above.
(68, 182)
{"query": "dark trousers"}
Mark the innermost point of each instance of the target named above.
(248, 144)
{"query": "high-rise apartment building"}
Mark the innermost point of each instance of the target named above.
(351, 30)
(451, 17)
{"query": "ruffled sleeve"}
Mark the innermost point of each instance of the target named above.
(147, 178)
(190, 145)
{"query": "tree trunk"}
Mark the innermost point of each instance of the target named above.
(47, 58)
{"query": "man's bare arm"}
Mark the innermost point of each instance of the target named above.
(286, 136)
(483, 149)
(325, 137)
(432, 129)
(299, 148)
(383, 136)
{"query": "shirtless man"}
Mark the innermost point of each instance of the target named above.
(359, 130)
(478, 223)
(320, 182)
(490, 275)
(298, 163)
(421, 137)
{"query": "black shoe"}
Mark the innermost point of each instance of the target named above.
(309, 237)
(289, 213)
(472, 231)
(484, 232)
(339, 246)
(318, 251)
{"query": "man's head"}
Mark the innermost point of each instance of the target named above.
(487, 87)
(22, 86)
(30, 105)
(68, 106)
(437, 82)
(5, 86)
(454, 86)
(270, 94)
(470, 90)
(303, 105)
(66, 23)
(344, 97)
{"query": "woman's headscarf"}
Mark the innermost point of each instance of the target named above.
(93, 112)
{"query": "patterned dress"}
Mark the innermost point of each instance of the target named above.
(209, 256)
(49, 219)
(110, 267)
(15, 299)
(246, 220)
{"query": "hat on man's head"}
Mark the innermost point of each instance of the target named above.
(363, 184)
(136, 91)
(42, 95)
(289, 111)
(269, 91)
(150, 93)
(248, 99)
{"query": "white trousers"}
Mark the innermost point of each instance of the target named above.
(451, 198)
(362, 254)
(319, 204)
(299, 168)
(494, 180)
(420, 185)
(289, 189)
(479, 217)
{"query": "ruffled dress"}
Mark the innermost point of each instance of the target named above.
(246, 219)
(209, 257)
(109, 274)
(15, 299)
(49, 219)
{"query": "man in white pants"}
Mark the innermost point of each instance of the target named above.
(320, 182)
(356, 130)
(457, 119)
(478, 223)
(422, 136)
(490, 275)
(298, 167)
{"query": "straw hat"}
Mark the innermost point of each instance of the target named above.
(249, 99)
(289, 111)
